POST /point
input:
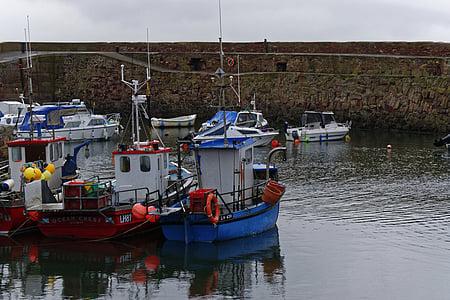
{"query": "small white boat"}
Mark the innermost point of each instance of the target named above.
(71, 120)
(243, 124)
(317, 127)
(12, 112)
(183, 121)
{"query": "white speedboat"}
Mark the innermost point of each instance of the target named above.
(243, 124)
(317, 127)
(183, 121)
(71, 120)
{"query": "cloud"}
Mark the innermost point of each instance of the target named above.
(250, 20)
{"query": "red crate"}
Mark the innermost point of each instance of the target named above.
(73, 188)
(197, 199)
(91, 203)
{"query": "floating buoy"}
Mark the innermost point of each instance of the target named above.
(152, 262)
(389, 147)
(50, 168)
(28, 174)
(139, 211)
(347, 138)
(46, 175)
(37, 174)
(275, 143)
(297, 141)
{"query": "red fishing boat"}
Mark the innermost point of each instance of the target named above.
(144, 180)
(31, 160)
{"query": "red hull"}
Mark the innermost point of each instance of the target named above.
(93, 225)
(13, 218)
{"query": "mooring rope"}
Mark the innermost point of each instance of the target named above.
(18, 228)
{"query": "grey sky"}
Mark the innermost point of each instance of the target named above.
(243, 20)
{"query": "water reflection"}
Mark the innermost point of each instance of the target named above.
(34, 267)
(227, 268)
(42, 267)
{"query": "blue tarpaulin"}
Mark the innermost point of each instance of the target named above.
(52, 115)
(218, 117)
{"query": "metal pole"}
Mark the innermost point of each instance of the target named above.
(137, 114)
(239, 81)
(269, 158)
(222, 83)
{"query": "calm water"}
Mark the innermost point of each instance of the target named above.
(357, 222)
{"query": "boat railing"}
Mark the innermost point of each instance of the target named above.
(241, 197)
(178, 187)
(147, 198)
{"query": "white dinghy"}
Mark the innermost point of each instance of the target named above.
(182, 121)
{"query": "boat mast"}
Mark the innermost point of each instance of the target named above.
(29, 68)
(220, 72)
(136, 99)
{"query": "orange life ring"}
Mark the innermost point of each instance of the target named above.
(230, 61)
(213, 218)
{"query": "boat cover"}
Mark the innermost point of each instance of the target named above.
(218, 117)
(52, 114)
(233, 143)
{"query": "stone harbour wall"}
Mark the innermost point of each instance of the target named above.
(376, 85)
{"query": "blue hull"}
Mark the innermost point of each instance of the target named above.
(197, 228)
(203, 255)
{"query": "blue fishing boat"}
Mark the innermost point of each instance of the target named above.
(230, 203)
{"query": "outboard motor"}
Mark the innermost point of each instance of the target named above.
(442, 141)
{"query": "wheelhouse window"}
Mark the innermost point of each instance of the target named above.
(310, 118)
(328, 119)
(52, 152)
(166, 161)
(246, 119)
(60, 150)
(248, 156)
(96, 122)
(125, 164)
(18, 120)
(145, 164)
(56, 149)
(74, 124)
(16, 153)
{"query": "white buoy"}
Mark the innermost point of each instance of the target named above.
(389, 147)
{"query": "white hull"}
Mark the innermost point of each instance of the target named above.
(103, 132)
(183, 121)
(317, 135)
